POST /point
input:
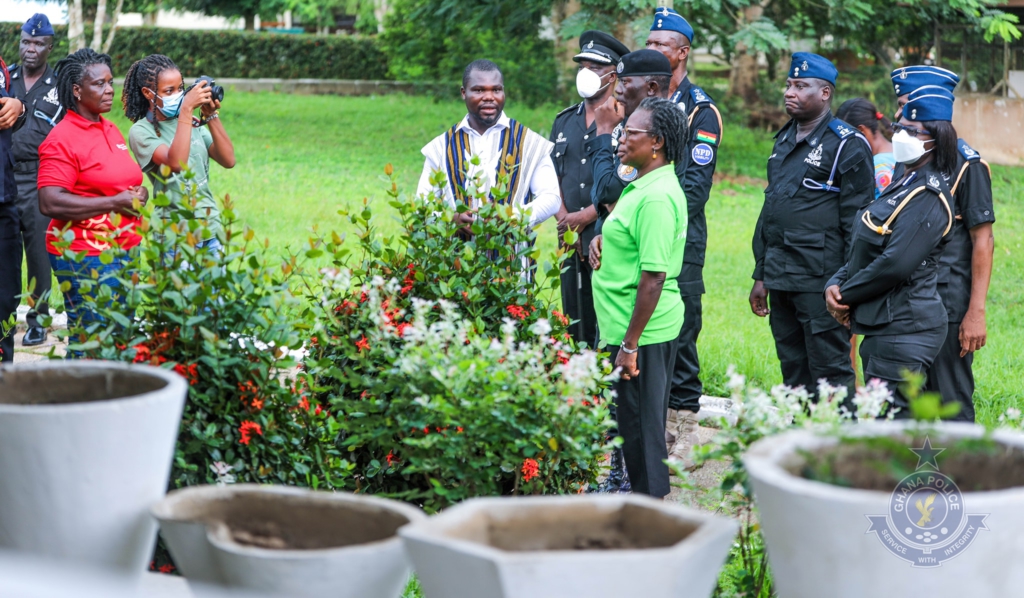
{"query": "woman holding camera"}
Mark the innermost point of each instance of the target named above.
(165, 133)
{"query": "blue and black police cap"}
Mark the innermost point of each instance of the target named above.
(906, 79)
(666, 19)
(648, 63)
(600, 47)
(38, 25)
(931, 102)
(806, 65)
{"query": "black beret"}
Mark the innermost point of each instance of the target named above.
(600, 47)
(644, 62)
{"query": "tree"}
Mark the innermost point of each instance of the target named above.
(232, 9)
(82, 13)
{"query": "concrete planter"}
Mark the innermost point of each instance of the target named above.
(285, 541)
(547, 547)
(85, 449)
(817, 534)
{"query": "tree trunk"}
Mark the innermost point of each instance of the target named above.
(76, 27)
(149, 18)
(380, 11)
(250, 22)
(97, 25)
(744, 74)
(113, 26)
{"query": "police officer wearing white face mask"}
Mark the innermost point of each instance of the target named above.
(573, 127)
(888, 290)
(965, 267)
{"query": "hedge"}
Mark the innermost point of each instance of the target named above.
(238, 54)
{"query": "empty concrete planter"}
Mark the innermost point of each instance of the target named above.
(285, 541)
(818, 536)
(85, 449)
(548, 547)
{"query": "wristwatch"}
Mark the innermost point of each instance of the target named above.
(628, 351)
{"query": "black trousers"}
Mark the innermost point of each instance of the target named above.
(686, 386)
(641, 406)
(810, 343)
(10, 275)
(33, 235)
(887, 356)
(578, 300)
(952, 376)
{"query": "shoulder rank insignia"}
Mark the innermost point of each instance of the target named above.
(968, 152)
(698, 95)
(933, 181)
(841, 129)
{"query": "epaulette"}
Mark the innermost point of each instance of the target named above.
(841, 129)
(969, 153)
(575, 107)
(699, 97)
(783, 129)
(14, 69)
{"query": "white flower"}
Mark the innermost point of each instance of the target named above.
(223, 471)
(541, 327)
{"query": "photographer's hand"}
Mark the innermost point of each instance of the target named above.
(197, 97)
(210, 108)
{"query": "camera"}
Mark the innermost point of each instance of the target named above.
(216, 91)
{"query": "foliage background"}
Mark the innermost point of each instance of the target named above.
(236, 54)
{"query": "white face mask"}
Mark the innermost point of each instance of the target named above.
(907, 149)
(588, 83)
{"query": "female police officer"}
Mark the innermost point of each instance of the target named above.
(887, 290)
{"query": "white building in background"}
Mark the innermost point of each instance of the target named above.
(182, 20)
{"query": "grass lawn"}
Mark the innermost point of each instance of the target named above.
(300, 158)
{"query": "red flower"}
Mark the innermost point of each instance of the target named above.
(516, 312)
(530, 470)
(189, 372)
(560, 317)
(141, 353)
(563, 357)
(257, 404)
(303, 403)
(405, 290)
(401, 328)
(250, 394)
(166, 568)
(392, 459)
(247, 428)
(362, 343)
(459, 429)
(363, 298)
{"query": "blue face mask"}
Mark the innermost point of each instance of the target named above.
(172, 104)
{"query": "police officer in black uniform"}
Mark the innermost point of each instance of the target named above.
(965, 266)
(820, 173)
(573, 127)
(35, 84)
(672, 35)
(888, 289)
(12, 117)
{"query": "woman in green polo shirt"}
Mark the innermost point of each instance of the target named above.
(638, 314)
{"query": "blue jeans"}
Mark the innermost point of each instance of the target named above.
(74, 273)
(212, 246)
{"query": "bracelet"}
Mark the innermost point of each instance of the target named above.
(206, 120)
(628, 351)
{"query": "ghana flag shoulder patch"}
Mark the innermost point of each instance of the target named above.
(706, 137)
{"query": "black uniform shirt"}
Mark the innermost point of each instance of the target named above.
(891, 279)
(695, 176)
(803, 233)
(42, 111)
(569, 133)
(8, 189)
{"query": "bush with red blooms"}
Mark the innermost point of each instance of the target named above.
(226, 321)
(450, 375)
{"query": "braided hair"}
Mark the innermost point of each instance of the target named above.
(71, 71)
(143, 73)
(860, 111)
(669, 123)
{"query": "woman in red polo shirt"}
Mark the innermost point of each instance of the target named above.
(88, 182)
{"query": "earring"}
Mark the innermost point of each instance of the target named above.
(655, 156)
(78, 97)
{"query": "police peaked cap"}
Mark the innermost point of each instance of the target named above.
(666, 19)
(600, 47)
(806, 65)
(931, 102)
(907, 79)
(38, 25)
(644, 63)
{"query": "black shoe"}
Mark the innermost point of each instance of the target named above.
(617, 476)
(34, 336)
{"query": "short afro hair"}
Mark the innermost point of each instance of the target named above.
(482, 65)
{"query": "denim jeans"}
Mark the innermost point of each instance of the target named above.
(74, 273)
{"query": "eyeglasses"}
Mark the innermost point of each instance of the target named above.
(897, 127)
(627, 131)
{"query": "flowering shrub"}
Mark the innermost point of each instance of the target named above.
(449, 375)
(225, 321)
